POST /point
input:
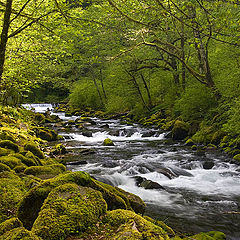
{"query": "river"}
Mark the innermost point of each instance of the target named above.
(200, 190)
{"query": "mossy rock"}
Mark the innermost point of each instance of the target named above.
(35, 158)
(45, 135)
(34, 149)
(124, 224)
(11, 161)
(68, 209)
(237, 157)
(19, 233)
(189, 142)
(108, 142)
(27, 161)
(59, 149)
(47, 171)
(9, 145)
(5, 152)
(213, 235)
(32, 202)
(12, 190)
(4, 167)
(20, 169)
(39, 117)
(180, 130)
(7, 136)
(194, 147)
(9, 225)
(161, 224)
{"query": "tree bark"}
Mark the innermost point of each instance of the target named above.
(4, 38)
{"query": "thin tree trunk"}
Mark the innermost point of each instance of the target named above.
(183, 58)
(147, 89)
(4, 38)
(103, 89)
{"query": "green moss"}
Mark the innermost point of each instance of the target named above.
(180, 130)
(161, 224)
(11, 161)
(4, 167)
(189, 142)
(34, 149)
(6, 136)
(32, 202)
(25, 160)
(19, 233)
(237, 157)
(9, 145)
(108, 142)
(50, 170)
(129, 225)
(68, 209)
(19, 169)
(9, 225)
(208, 236)
(12, 190)
(5, 152)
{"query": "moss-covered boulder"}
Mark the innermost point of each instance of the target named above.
(12, 190)
(237, 157)
(9, 145)
(108, 142)
(180, 130)
(11, 161)
(124, 224)
(189, 142)
(47, 171)
(32, 202)
(4, 167)
(34, 149)
(59, 149)
(19, 233)
(9, 225)
(213, 235)
(25, 160)
(5, 152)
(67, 210)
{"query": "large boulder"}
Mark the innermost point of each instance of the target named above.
(115, 198)
(68, 209)
(19, 233)
(12, 190)
(180, 130)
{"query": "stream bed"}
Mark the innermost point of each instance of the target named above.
(193, 191)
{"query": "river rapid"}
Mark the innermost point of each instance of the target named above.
(196, 190)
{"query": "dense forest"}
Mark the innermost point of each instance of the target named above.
(174, 65)
(180, 58)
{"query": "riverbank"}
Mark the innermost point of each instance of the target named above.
(41, 200)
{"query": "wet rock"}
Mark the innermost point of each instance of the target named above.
(180, 172)
(147, 184)
(110, 164)
(166, 172)
(87, 133)
(104, 126)
(115, 133)
(86, 151)
(180, 130)
(148, 134)
(208, 165)
(80, 162)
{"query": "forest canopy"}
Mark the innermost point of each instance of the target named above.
(177, 57)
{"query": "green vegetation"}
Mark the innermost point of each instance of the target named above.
(173, 64)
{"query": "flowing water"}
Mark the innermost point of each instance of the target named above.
(200, 190)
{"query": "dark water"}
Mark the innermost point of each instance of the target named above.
(201, 189)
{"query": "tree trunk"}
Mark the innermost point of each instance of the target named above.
(147, 89)
(4, 38)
